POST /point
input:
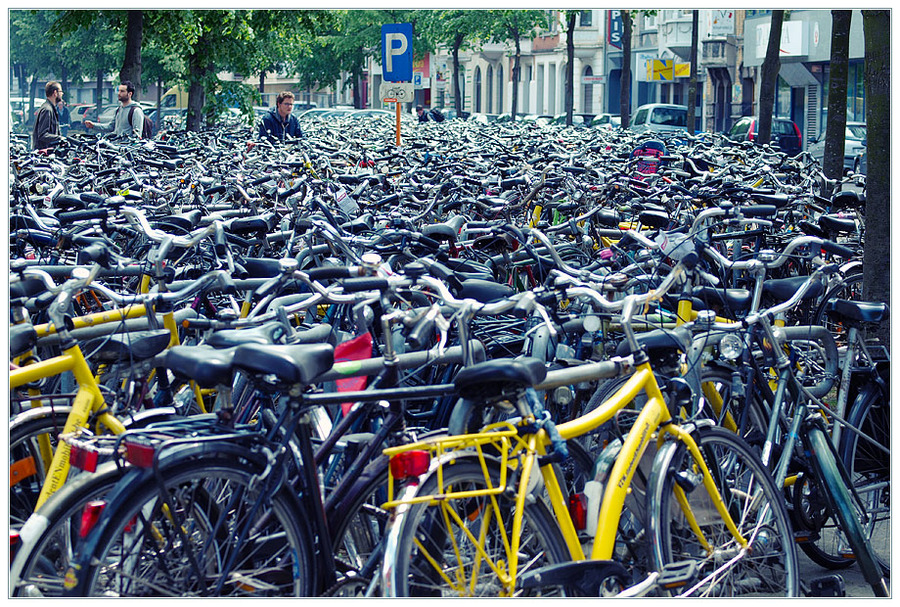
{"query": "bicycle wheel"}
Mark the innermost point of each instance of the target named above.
(461, 547)
(26, 464)
(870, 471)
(849, 287)
(768, 567)
(179, 538)
(39, 567)
(846, 510)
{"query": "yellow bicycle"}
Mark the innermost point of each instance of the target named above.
(475, 518)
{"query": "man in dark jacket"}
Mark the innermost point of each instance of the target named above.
(279, 123)
(46, 126)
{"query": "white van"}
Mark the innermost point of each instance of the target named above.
(659, 118)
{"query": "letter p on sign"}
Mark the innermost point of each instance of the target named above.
(396, 52)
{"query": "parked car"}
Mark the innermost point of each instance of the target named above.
(373, 113)
(854, 138)
(540, 119)
(482, 117)
(607, 121)
(785, 133)
(577, 119)
(659, 118)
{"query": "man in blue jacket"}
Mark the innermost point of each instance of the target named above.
(279, 123)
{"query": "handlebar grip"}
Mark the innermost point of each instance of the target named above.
(221, 241)
(431, 243)
(73, 216)
(758, 210)
(418, 337)
(214, 190)
(201, 324)
(836, 249)
(355, 285)
(329, 272)
(508, 184)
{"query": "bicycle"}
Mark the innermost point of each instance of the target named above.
(469, 519)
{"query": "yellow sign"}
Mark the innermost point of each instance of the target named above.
(663, 69)
(682, 70)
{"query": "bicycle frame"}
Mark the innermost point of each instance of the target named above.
(654, 416)
(88, 401)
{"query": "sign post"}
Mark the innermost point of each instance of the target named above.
(397, 64)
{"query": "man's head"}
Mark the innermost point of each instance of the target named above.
(419, 110)
(284, 104)
(53, 91)
(126, 91)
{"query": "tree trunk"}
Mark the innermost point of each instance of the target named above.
(32, 89)
(768, 79)
(517, 70)
(570, 65)
(835, 131)
(457, 94)
(877, 249)
(262, 81)
(64, 79)
(159, 92)
(131, 66)
(692, 84)
(625, 90)
(99, 92)
(197, 67)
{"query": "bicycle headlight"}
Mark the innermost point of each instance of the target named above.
(731, 346)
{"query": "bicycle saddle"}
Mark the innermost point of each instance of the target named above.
(837, 225)
(21, 339)
(126, 347)
(484, 291)
(206, 365)
(783, 289)
(659, 342)
(859, 311)
(269, 333)
(737, 300)
(290, 364)
(493, 378)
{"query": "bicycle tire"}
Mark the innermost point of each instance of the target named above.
(27, 467)
(423, 535)
(39, 567)
(844, 507)
(146, 549)
(769, 568)
(870, 470)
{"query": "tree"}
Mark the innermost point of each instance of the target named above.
(768, 79)
(877, 248)
(514, 25)
(625, 91)
(131, 64)
(457, 30)
(570, 64)
(833, 161)
(692, 83)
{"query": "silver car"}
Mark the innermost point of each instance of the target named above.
(854, 142)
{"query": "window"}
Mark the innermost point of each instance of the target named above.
(649, 23)
(500, 85)
(490, 89)
(585, 18)
(477, 89)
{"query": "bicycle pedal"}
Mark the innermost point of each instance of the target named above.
(676, 575)
(827, 585)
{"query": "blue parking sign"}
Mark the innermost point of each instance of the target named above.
(397, 51)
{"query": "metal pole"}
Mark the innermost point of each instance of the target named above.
(397, 104)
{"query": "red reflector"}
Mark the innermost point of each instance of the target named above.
(90, 515)
(410, 463)
(139, 455)
(13, 538)
(14, 543)
(83, 458)
(578, 511)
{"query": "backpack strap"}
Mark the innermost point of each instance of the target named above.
(131, 117)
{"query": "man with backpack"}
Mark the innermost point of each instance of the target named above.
(129, 122)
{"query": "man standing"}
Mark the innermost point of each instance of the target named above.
(65, 117)
(279, 122)
(46, 126)
(129, 117)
